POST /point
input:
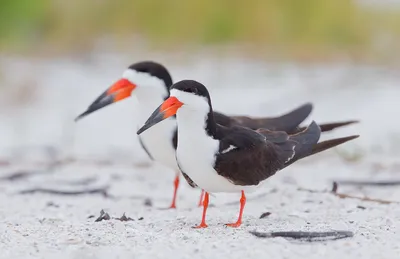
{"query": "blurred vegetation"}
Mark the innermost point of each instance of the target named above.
(298, 25)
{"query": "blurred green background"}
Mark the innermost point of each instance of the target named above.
(294, 28)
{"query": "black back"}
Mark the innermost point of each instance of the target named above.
(260, 154)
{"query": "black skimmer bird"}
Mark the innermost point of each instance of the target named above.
(148, 82)
(229, 159)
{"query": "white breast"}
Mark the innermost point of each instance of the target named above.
(158, 139)
(196, 153)
(158, 142)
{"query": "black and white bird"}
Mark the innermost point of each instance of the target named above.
(148, 83)
(217, 158)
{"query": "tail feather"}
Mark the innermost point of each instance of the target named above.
(331, 126)
(324, 145)
(312, 149)
(305, 142)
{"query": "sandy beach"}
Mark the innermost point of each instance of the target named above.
(39, 137)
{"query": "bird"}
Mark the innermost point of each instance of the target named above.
(217, 158)
(148, 82)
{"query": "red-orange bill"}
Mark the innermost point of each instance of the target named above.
(167, 109)
(118, 91)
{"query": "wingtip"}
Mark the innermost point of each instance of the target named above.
(352, 137)
(308, 104)
(334, 125)
(353, 121)
(290, 120)
(306, 108)
(331, 143)
(344, 123)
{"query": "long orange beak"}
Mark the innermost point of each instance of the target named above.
(118, 91)
(167, 109)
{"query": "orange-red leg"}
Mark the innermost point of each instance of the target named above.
(176, 185)
(205, 206)
(201, 198)
(239, 221)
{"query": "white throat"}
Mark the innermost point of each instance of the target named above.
(196, 149)
(149, 93)
(196, 152)
(192, 116)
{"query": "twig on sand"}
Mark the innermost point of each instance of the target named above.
(347, 196)
(19, 175)
(369, 183)
(306, 236)
(102, 191)
(344, 196)
(49, 167)
(71, 160)
(84, 181)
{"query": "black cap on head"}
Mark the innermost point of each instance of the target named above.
(154, 69)
(194, 87)
(191, 86)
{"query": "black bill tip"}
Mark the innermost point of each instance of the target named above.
(101, 102)
(142, 129)
(87, 112)
(156, 117)
(147, 125)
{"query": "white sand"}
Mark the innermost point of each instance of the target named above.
(30, 228)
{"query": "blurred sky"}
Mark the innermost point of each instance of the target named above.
(289, 27)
